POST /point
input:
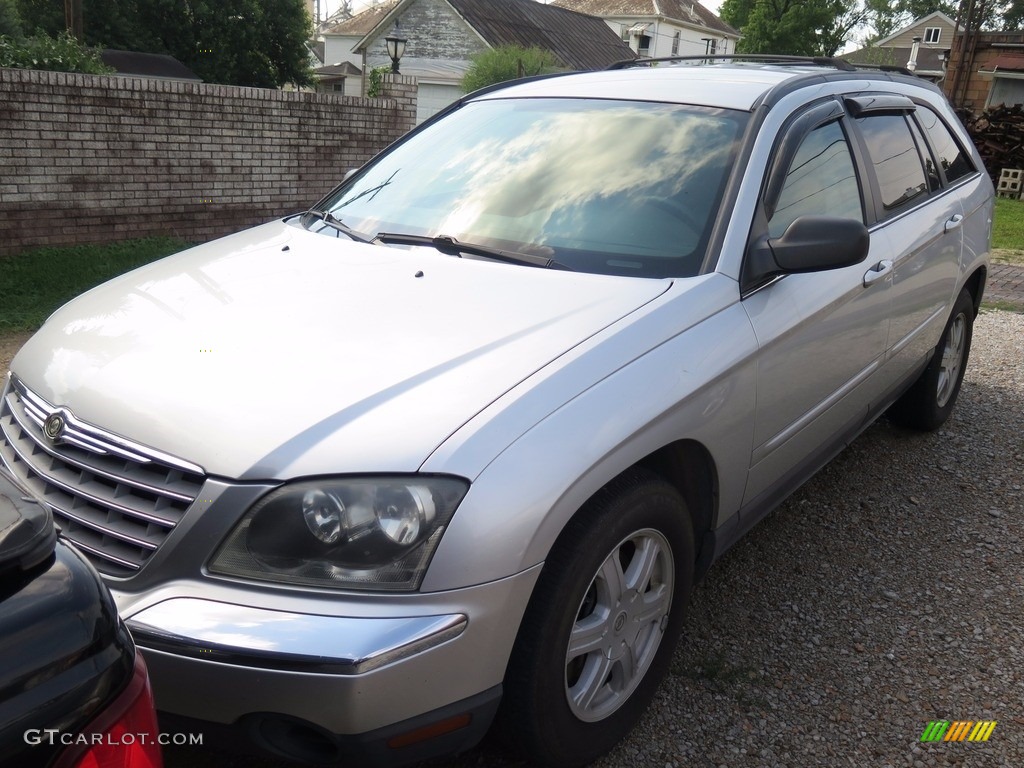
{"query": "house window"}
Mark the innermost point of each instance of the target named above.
(710, 46)
(675, 43)
(932, 35)
(638, 32)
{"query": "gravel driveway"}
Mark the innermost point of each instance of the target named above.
(886, 593)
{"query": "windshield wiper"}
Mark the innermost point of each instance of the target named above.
(331, 220)
(453, 247)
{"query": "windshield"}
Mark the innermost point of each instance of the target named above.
(612, 187)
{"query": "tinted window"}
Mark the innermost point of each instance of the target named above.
(954, 161)
(821, 181)
(897, 164)
(615, 187)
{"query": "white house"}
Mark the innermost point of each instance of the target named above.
(443, 35)
(658, 28)
(340, 41)
(934, 32)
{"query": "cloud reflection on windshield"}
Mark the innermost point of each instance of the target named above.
(581, 175)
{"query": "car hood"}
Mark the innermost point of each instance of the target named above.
(278, 353)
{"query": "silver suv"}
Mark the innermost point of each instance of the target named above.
(457, 442)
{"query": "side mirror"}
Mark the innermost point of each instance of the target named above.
(816, 243)
(810, 244)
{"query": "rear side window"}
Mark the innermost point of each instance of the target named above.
(954, 161)
(894, 155)
(821, 181)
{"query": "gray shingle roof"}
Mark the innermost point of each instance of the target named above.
(687, 11)
(579, 41)
(361, 23)
(927, 58)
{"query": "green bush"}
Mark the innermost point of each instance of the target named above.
(376, 85)
(507, 62)
(58, 54)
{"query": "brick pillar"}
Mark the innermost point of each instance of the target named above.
(403, 89)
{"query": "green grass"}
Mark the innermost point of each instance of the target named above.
(34, 283)
(1008, 226)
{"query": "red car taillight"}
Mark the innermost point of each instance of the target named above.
(124, 735)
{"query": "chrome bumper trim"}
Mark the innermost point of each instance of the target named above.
(256, 637)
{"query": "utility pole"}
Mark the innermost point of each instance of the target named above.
(73, 18)
(972, 15)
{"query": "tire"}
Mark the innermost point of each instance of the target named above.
(930, 400)
(600, 629)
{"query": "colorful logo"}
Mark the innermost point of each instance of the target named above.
(958, 730)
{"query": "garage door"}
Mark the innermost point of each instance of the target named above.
(432, 98)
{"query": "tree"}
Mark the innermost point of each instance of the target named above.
(793, 27)
(10, 20)
(886, 16)
(1013, 16)
(240, 42)
(507, 62)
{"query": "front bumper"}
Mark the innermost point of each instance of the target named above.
(341, 667)
(284, 641)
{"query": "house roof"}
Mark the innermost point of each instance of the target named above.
(345, 69)
(685, 11)
(1008, 62)
(318, 48)
(155, 65)
(362, 23)
(935, 16)
(579, 41)
(927, 58)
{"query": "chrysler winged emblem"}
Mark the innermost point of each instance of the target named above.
(53, 427)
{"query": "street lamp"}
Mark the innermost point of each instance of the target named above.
(396, 47)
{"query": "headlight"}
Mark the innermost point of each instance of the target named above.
(364, 533)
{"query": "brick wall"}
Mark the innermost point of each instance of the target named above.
(86, 158)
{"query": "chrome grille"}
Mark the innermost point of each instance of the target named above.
(114, 499)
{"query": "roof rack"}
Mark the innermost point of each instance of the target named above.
(884, 68)
(817, 61)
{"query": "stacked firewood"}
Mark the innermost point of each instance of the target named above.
(998, 134)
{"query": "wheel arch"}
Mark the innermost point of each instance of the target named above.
(690, 468)
(975, 285)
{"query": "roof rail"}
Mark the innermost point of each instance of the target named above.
(818, 61)
(884, 68)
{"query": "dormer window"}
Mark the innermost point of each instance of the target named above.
(932, 35)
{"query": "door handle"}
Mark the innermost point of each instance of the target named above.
(952, 223)
(877, 272)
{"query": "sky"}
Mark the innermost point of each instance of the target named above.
(330, 6)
